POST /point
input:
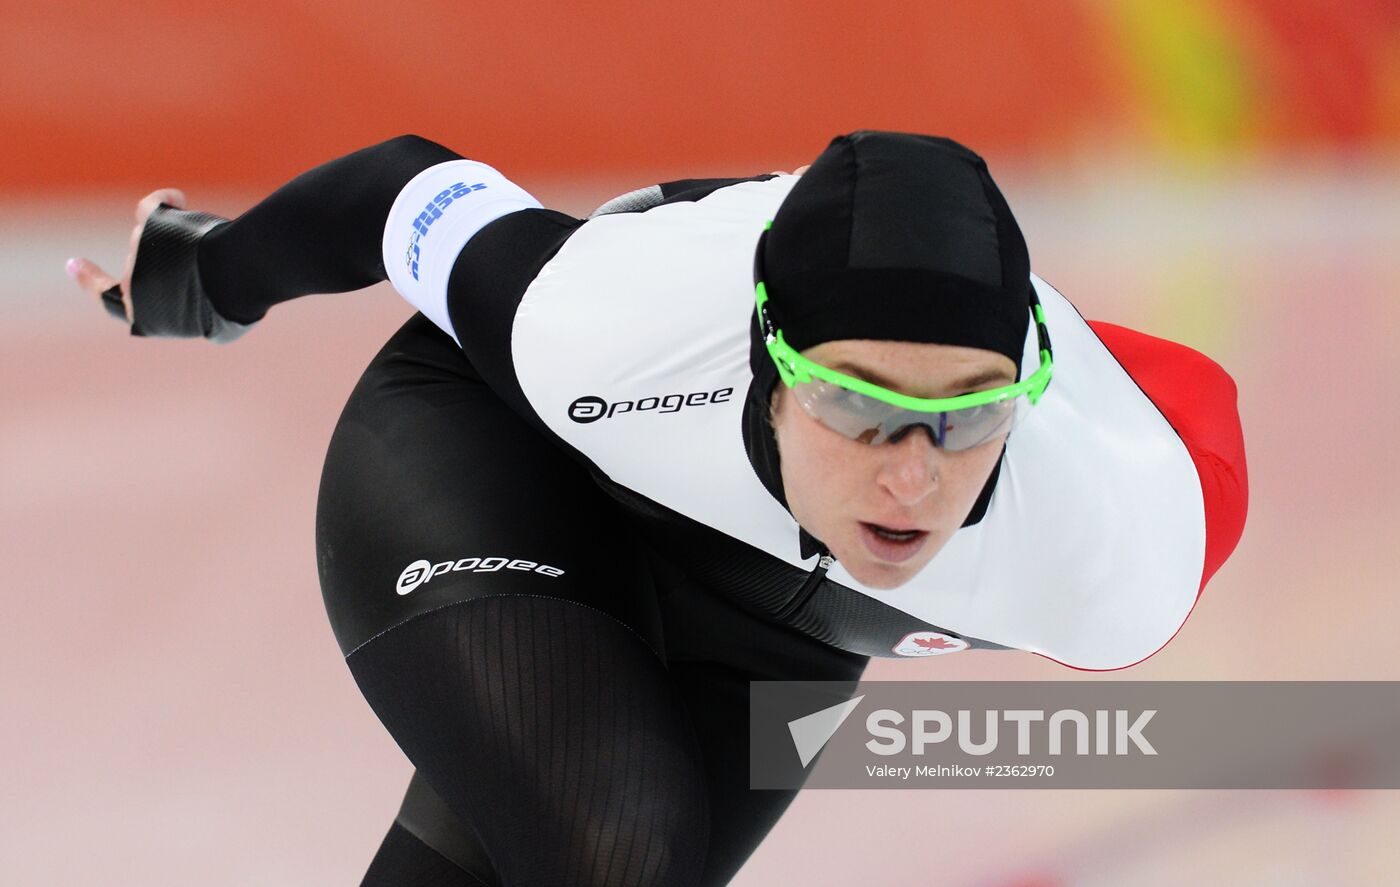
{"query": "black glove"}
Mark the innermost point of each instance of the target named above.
(167, 299)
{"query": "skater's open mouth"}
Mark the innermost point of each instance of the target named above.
(893, 544)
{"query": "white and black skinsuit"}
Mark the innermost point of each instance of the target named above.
(551, 532)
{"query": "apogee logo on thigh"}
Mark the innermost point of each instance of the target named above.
(420, 571)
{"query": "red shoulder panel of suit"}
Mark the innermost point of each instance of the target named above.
(1198, 399)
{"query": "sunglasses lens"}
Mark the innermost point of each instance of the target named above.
(868, 420)
(846, 412)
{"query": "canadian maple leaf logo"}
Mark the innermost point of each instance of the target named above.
(928, 643)
(935, 643)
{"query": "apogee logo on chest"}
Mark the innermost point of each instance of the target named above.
(590, 409)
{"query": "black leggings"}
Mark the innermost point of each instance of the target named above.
(576, 709)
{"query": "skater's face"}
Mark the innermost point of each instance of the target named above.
(837, 488)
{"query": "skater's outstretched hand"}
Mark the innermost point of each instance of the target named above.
(93, 279)
(160, 292)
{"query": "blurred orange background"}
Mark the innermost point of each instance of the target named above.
(101, 94)
(1224, 173)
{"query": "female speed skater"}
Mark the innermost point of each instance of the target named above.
(719, 431)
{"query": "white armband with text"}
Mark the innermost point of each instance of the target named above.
(434, 216)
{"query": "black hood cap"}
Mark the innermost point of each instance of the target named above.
(893, 236)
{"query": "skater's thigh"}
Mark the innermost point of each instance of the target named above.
(502, 623)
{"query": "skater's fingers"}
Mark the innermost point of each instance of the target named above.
(90, 277)
(173, 196)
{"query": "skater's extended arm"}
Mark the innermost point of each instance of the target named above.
(328, 230)
(318, 233)
(193, 273)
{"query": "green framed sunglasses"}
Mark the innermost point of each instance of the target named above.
(866, 412)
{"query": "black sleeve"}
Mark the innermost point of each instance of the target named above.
(319, 233)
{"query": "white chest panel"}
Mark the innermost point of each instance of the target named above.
(1091, 550)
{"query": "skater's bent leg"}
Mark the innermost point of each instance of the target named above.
(553, 729)
(494, 609)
